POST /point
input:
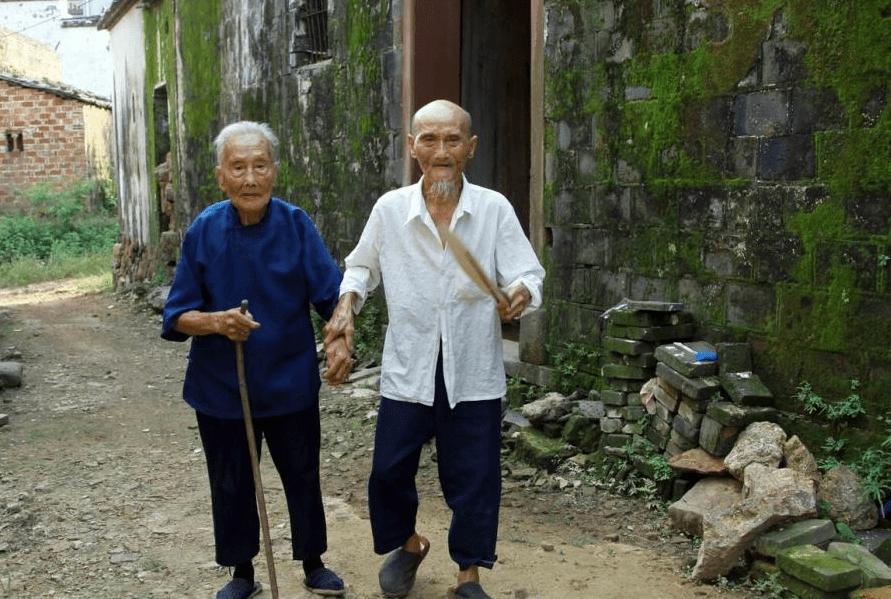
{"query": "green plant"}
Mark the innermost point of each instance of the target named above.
(846, 533)
(769, 587)
(845, 409)
(661, 470)
(573, 364)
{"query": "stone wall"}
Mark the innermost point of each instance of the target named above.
(732, 158)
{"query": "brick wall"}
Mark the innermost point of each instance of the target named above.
(46, 133)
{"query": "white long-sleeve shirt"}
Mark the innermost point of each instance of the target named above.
(429, 297)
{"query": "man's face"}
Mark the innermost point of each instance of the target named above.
(442, 146)
(246, 174)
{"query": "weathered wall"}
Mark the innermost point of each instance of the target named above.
(226, 60)
(733, 157)
(53, 131)
(136, 194)
(23, 56)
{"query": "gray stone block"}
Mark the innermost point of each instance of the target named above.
(610, 425)
(688, 430)
(746, 389)
(660, 334)
(734, 357)
(731, 414)
(695, 388)
(681, 356)
(716, 438)
(875, 572)
(817, 568)
(629, 347)
(807, 532)
(619, 371)
(667, 396)
(611, 397)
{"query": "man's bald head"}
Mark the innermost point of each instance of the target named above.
(441, 109)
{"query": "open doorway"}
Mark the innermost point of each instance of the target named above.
(477, 53)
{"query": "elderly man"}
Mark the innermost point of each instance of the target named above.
(267, 251)
(443, 372)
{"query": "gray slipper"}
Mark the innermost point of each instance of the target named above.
(469, 590)
(397, 574)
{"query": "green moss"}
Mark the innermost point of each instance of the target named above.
(849, 54)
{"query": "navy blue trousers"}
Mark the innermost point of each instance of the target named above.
(293, 441)
(468, 446)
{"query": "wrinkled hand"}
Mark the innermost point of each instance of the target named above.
(235, 325)
(338, 341)
(340, 362)
(519, 299)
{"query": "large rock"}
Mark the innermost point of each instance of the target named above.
(797, 456)
(708, 495)
(550, 408)
(841, 489)
(773, 496)
(10, 375)
(760, 442)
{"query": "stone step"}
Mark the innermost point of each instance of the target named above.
(812, 565)
(807, 532)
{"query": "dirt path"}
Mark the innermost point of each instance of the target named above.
(103, 491)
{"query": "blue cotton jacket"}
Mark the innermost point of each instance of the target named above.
(281, 266)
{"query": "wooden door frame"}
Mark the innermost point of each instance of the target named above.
(536, 112)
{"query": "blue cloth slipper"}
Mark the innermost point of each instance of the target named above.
(323, 581)
(397, 574)
(238, 588)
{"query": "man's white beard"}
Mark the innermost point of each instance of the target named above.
(444, 189)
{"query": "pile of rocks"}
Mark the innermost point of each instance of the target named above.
(760, 502)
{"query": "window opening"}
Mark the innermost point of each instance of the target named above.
(309, 42)
(20, 143)
(10, 144)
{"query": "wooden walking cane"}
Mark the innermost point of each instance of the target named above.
(255, 462)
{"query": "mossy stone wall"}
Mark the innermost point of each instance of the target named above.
(733, 157)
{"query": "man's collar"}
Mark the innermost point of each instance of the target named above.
(417, 207)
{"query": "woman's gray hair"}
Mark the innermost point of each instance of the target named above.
(246, 128)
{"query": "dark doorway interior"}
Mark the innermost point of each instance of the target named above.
(495, 52)
(476, 53)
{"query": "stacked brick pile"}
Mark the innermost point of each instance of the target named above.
(672, 393)
(685, 383)
(632, 332)
(703, 396)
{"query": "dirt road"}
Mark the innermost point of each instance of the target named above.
(103, 491)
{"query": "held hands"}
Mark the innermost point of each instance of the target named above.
(235, 325)
(338, 341)
(519, 299)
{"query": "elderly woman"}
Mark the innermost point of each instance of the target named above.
(267, 251)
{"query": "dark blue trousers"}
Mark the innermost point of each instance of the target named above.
(468, 446)
(293, 441)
